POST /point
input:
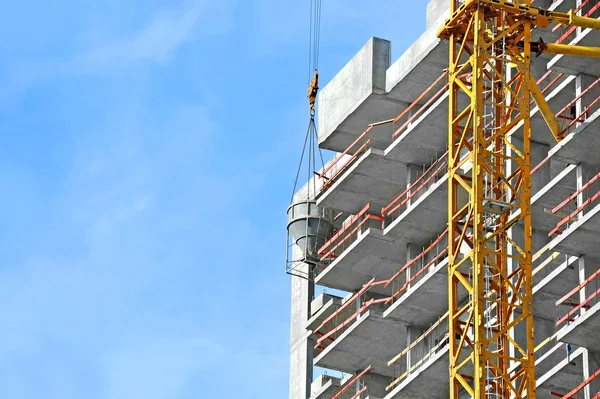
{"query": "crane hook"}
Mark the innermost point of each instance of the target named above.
(313, 88)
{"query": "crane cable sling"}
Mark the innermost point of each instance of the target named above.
(313, 52)
(312, 138)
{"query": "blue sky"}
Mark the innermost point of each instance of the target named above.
(147, 154)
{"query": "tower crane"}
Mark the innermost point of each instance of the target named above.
(491, 87)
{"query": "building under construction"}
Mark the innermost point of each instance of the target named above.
(460, 215)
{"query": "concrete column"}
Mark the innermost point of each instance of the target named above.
(376, 385)
(411, 251)
(593, 361)
(582, 277)
(583, 176)
(586, 373)
(582, 82)
(412, 333)
(412, 171)
(301, 347)
(580, 13)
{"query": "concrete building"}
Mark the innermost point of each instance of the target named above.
(383, 204)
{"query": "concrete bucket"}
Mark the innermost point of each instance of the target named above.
(309, 226)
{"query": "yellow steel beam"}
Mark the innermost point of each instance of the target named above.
(576, 20)
(566, 49)
(544, 108)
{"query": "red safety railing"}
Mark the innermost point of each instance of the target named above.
(415, 110)
(342, 161)
(355, 388)
(539, 165)
(363, 142)
(416, 268)
(421, 350)
(588, 8)
(590, 388)
(589, 192)
(346, 235)
(335, 325)
(581, 298)
(409, 274)
(429, 177)
(545, 83)
(588, 99)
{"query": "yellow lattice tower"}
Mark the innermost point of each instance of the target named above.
(491, 88)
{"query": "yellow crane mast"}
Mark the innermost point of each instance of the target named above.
(490, 84)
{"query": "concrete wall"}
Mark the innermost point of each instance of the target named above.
(435, 10)
(301, 347)
(363, 76)
(423, 47)
(376, 385)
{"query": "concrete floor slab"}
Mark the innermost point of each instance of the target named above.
(582, 145)
(430, 381)
(371, 255)
(418, 67)
(372, 178)
(426, 301)
(583, 331)
(563, 377)
(582, 237)
(551, 195)
(546, 291)
(425, 219)
(425, 139)
(369, 341)
(356, 97)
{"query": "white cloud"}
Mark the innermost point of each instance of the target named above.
(166, 31)
(160, 39)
